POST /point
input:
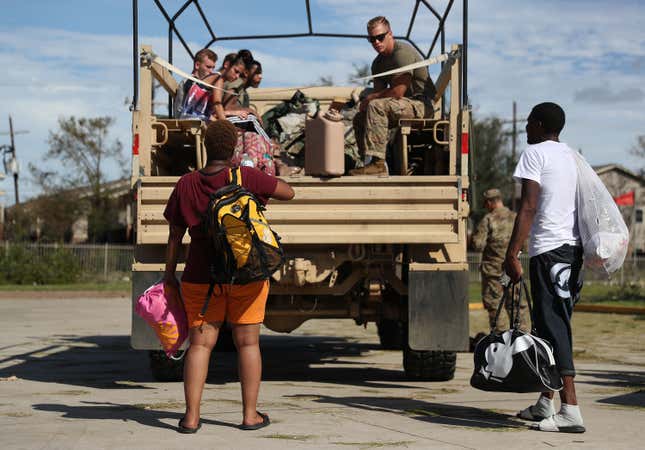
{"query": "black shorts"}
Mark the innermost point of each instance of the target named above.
(556, 281)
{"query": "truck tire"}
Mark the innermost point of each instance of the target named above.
(391, 333)
(164, 368)
(429, 365)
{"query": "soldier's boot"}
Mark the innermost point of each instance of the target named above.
(376, 167)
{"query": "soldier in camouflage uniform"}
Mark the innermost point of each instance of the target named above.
(491, 237)
(401, 95)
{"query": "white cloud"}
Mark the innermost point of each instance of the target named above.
(583, 54)
(604, 94)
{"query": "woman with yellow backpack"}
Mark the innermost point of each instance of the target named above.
(241, 305)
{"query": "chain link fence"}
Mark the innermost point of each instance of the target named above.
(632, 271)
(107, 259)
(95, 260)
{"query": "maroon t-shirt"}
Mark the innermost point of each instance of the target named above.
(189, 201)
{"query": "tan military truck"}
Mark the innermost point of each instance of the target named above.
(389, 250)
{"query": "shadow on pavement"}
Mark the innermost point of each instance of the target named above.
(108, 362)
(104, 362)
(614, 378)
(439, 413)
(322, 359)
(115, 411)
(627, 380)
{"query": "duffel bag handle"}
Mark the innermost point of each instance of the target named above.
(515, 291)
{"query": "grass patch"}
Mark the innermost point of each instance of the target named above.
(291, 437)
(70, 392)
(421, 412)
(596, 293)
(110, 286)
(623, 407)
(17, 414)
(375, 444)
(160, 405)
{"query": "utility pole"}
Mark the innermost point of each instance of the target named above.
(514, 144)
(513, 153)
(13, 163)
(514, 134)
(1, 211)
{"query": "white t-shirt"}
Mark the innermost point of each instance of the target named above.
(551, 164)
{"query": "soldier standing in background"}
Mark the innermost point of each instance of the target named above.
(491, 237)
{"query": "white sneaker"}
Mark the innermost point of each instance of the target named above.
(568, 420)
(542, 409)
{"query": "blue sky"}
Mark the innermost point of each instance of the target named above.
(74, 57)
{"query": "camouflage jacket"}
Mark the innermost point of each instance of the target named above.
(492, 236)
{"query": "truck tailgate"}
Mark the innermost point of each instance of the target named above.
(369, 210)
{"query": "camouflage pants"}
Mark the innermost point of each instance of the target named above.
(372, 126)
(492, 292)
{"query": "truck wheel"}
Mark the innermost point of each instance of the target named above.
(164, 368)
(390, 333)
(429, 365)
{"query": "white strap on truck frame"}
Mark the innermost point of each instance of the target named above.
(424, 63)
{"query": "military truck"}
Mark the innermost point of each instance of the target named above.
(387, 249)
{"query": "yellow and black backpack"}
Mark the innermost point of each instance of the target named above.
(244, 248)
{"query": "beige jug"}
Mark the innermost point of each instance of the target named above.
(324, 146)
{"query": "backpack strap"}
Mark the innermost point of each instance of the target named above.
(211, 288)
(235, 176)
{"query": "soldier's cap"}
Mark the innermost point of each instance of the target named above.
(492, 193)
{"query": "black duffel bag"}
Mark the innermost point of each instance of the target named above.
(515, 361)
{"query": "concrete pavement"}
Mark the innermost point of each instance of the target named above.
(69, 380)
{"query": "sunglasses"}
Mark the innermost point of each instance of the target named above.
(377, 37)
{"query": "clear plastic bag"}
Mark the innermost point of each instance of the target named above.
(604, 235)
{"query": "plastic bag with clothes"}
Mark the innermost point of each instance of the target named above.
(604, 235)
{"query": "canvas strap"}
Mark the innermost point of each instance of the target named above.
(155, 59)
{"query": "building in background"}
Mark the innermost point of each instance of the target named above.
(627, 188)
(35, 216)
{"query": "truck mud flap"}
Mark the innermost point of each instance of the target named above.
(437, 307)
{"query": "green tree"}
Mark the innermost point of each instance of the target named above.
(360, 71)
(638, 149)
(326, 80)
(492, 165)
(83, 148)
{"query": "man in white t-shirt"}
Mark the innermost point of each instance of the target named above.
(548, 174)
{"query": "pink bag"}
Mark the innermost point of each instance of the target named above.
(257, 148)
(167, 320)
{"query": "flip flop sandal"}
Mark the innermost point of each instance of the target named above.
(529, 414)
(265, 423)
(187, 430)
(549, 424)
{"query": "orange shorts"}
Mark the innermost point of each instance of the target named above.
(240, 304)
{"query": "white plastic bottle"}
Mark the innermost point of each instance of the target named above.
(246, 160)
